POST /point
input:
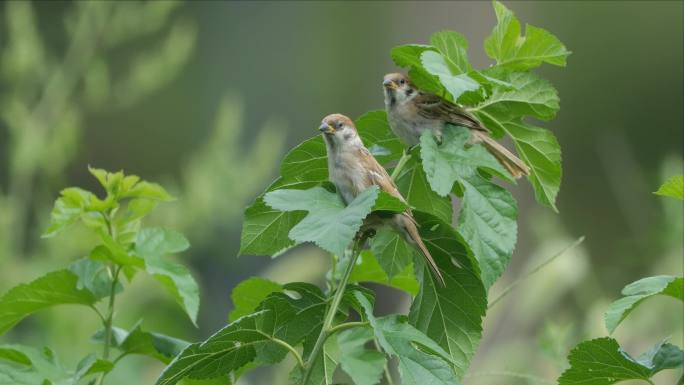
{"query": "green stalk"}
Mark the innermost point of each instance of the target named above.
(405, 156)
(332, 310)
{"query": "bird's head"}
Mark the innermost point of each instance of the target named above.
(338, 130)
(398, 88)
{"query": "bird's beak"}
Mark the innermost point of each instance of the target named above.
(325, 128)
(389, 84)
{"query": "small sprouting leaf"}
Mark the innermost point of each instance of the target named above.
(69, 207)
(487, 222)
(56, 288)
(673, 187)
(329, 224)
(137, 341)
(154, 243)
(148, 190)
(636, 292)
(248, 294)
(414, 186)
(368, 269)
(519, 53)
(451, 315)
(91, 365)
(601, 361)
(364, 366)
(453, 160)
(421, 360)
(391, 251)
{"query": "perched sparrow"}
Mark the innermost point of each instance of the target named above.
(353, 169)
(410, 112)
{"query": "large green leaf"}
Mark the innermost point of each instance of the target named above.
(56, 288)
(673, 187)
(414, 186)
(521, 53)
(421, 360)
(487, 222)
(456, 84)
(368, 269)
(601, 361)
(540, 150)
(376, 134)
(329, 224)
(638, 291)
(529, 95)
(454, 160)
(137, 341)
(94, 277)
(391, 251)
(264, 230)
(152, 245)
(454, 47)
(307, 162)
(364, 366)
(248, 294)
(258, 336)
(450, 315)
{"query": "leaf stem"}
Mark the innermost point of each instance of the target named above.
(405, 156)
(345, 326)
(292, 350)
(388, 375)
(332, 310)
(518, 281)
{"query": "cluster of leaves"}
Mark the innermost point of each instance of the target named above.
(436, 341)
(125, 249)
(602, 361)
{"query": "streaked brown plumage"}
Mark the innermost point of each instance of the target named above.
(352, 169)
(410, 112)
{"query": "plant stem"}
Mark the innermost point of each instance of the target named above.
(405, 156)
(345, 326)
(108, 320)
(388, 375)
(332, 310)
(518, 281)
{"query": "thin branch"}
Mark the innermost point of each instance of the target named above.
(345, 326)
(405, 156)
(388, 375)
(518, 281)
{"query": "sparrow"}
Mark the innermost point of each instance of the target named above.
(410, 112)
(352, 169)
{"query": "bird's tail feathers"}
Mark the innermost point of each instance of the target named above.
(512, 163)
(411, 232)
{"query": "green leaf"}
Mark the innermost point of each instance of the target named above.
(530, 95)
(258, 336)
(453, 160)
(540, 150)
(377, 136)
(391, 251)
(152, 244)
(137, 341)
(454, 47)
(421, 360)
(673, 187)
(148, 190)
(120, 186)
(265, 230)
(601, 361)
(368, 269)
(451, 315)
(487, 222)
(56, 288)
(94, 277)
(521, 53)
(456, 85)
(308, 162)
(24, 365)
(69, 207)
(414, 186)
(409, 56)
(248, 294)
(329, 224)
(364, 366)
(638, 291)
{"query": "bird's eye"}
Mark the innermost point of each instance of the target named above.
(402, 81)
(339, 125)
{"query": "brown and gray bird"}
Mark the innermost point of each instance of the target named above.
(410, 112)
(352, 169)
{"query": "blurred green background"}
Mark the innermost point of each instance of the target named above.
(206, 97)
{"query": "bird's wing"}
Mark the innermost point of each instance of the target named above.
(434, 107)
(377, 175)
